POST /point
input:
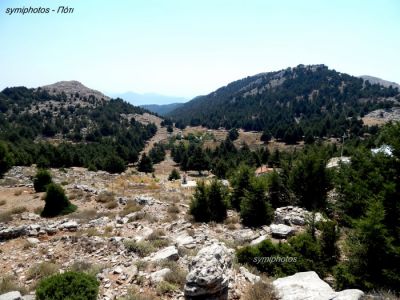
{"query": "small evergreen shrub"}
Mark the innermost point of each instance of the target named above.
(70, 285)
(57, 202)
(42, 180)
(301, 253)
(174, 175)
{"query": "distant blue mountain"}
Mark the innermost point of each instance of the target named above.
(147, 98)
(162, 110)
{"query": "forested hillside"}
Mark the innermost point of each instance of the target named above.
(310, 101)
(56, 129)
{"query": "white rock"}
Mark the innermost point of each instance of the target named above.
(169, 253)
(245, 235)
(144, 234)
(249, 276)
(70, 225)
(11, 296)
(144, 200)
(307, 285)
(258, 240)
(281, 231)
(209, 273)
(158, 276)
(293, 215)
(183, 239)
(33, 241)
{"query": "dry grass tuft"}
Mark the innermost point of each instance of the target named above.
(42, 270)
(177, 276)
(84, 215)
(111, 205)
(173, 209)
(105, 197)
(18, 193)
(18, 210)
(134, 294)
(5, 217)
(11, 283)
(260, 291)
(130, 207)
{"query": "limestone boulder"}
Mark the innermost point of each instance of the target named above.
(209, 273)
(308, 285)
(281, 231)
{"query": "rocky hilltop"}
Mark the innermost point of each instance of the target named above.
(72, 88)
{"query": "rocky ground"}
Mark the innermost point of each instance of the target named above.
(133, 232)
(150, 212)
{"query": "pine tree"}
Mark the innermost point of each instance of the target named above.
(198, 160)
(266, 136)
(372, 258)
(216, 197)
(233, 134)
(6, 160)
(56, 201)
(254, 208)
(278, 193)
(199, 206)
(240, 182)
(310, 181)
(145, 164)
(41, 180)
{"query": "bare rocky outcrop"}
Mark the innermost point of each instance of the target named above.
(281, 231)
(293, 215)
(307, 285)
(73, 87)
(209, 273)
(7, 233)
(168, 253)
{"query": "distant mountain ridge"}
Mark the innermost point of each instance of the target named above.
(308, 100)
(147, 98)
(376, 80)
(163, 109)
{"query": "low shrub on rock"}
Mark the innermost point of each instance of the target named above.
(69, 285)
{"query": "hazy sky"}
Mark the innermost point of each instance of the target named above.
(191, 47)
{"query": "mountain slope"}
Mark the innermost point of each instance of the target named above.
(56, 126)
(162, 110)
(305, 100)
(376, 80)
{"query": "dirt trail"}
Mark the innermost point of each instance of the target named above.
(161, 131)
